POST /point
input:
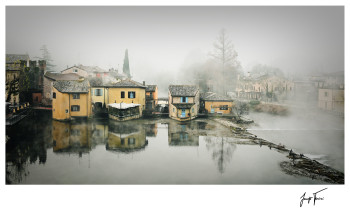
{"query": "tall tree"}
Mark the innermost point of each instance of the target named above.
(226, 55)
(45, 55)
(126, 68)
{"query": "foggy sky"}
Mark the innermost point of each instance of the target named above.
(163, 39)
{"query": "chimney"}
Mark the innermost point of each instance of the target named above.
(144, 83)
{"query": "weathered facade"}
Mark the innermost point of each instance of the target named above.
(49, 78)
(183, 102)
(331, 100)
(71, 99)
(214, 103)
(151, 97)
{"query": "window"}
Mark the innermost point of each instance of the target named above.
(75, 108)
(122, 141)
(98, 92)
(54, 95)
(122, 94)
(184, 99)
(131, 141)
(192, 110)
(75, 70)
(131, 95)
(224, 107)
(66, 111)
(76, 96)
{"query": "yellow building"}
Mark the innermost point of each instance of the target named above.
(128, 92)
(151, 97)
(71, 99)
(183, 102)
(216, 104)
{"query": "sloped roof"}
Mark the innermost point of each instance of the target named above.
(211, 96)
(72, 86)
(90, 69)
(183, 90)
(126, 84)
(11, 58)
(61, 77)
(151, 88)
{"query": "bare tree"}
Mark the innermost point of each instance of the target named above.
(45, 55)
(225, 53)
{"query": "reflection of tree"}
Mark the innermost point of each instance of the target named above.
(222, 151)
(28, 143)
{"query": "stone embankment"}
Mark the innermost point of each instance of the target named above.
(298, 163)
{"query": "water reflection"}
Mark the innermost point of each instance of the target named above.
(28, 143)
(72, 138)
(126, 137)
(151, 130)
(183, 134)
(221, 150)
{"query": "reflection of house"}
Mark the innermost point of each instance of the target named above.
(151, 97)
(49, 78)
(71, 99)
(215, 103)
(71, 138)
(331, 100)
(182, 134)
(126, 137)
(99, 132)
(183, 102)
(151, 130)
(126, 99)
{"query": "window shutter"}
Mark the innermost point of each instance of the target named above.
(186, 99)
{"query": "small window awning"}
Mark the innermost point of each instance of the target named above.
(123, 105)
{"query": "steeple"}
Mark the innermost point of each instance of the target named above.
(126, 68)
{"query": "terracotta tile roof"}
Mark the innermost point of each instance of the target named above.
(61, 77)
(126, 83)
(211, 96)
(77, 86)
(183, 90)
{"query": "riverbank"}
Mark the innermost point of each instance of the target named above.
(299, 164)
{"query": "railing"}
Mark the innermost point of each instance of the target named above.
(15, 118)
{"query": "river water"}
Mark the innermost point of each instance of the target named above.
(148, 151)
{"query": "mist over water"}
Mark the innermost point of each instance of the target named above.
(315, 133)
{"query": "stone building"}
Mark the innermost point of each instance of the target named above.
(183, 102)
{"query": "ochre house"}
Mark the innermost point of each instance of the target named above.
(129, 93)
(151, 97)
(183, 102)
(71, 99)
(214, 103)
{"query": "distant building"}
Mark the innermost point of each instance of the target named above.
(71, 99)
(183, 102)
(49, 78)
(214, 103)
(151, 97)
(331, 100)
(86, 71)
